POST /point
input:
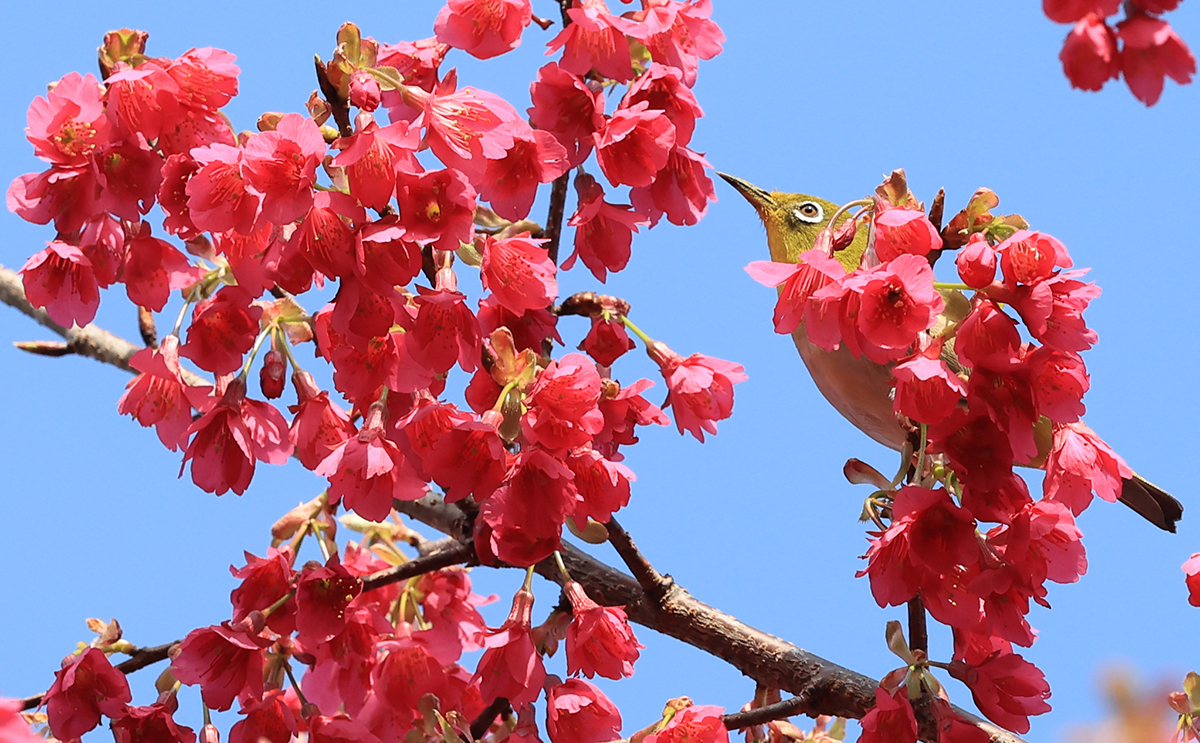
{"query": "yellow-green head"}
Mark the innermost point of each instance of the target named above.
(793, 221)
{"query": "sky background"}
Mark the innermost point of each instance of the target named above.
(758, 521)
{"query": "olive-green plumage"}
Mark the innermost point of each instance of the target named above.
(858, 388)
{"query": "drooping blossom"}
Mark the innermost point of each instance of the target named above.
(483, 28)
(1089, 54)
(365, 91)
(1080, 464)
(595, 39)
(322, 594)
(320, 426)
(606, 341)
(219, 196)
(269, 718)
(634, 145)
(699, 388)
(900, 231)
(1069, 11)
(521, 523)
(662, 87)
(927, 390)
(228, 439)
(281, 164)
(891, 720)
(680, 34)
(518, 272)
(153, 268)
(470, 459)
(223, 329)
(373, 155)
(562, 402)
(602, 485)
(603, 231)
(578, 712)
(61, 279)
(511, 667)
(565, 106)
(976, 262)
(1152, 51)
(264, 581)
(799, 281)
(158, 396)
(85, 688)
(681, 190)
(226, 660)
(152, 723)
(510, 183)
(1007, 689)
(465, 128)
(367, 471)
(437, 207)
(700, 723)
(599, 639)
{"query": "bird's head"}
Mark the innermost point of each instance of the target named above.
(793, 221)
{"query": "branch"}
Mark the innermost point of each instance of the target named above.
(455, 554)
(822, 686)
(481, 724)
(652, 582)
(759, 715)
(554, 218)
(90, 340)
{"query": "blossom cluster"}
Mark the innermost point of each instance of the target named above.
(342, 196)
(382, 661)
(981, 398)
(1142, 48)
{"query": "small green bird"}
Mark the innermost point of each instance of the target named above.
(858, 388)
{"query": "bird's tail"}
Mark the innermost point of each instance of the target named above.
(1151, 502)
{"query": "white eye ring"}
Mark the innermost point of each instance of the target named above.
(809, 212)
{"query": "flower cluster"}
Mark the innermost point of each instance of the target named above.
(395, 173)
(1142, 47)
(980, 399)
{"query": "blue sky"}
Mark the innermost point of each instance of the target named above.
(758, 521)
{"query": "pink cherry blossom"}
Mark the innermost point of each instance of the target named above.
(483, 28)
(282, 165)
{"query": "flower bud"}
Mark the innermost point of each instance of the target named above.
(977, 263)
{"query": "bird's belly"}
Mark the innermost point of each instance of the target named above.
(858, 388)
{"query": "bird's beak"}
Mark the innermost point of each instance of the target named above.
(760, 199)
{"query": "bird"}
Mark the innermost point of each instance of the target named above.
(858, 388)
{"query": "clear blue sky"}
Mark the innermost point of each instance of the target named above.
(758, 521)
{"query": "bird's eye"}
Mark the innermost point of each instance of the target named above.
(809, 211)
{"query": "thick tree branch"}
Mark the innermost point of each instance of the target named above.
(456, 553)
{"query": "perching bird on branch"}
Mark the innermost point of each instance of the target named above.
(860, 389)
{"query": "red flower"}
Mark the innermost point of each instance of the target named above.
(448, 604)
(223, 329)
(987, 338)
(528, 328)
(385, 257)
(219, 198)
(319, 426)
(263, 582)
(634, 145)
(681, 190)
(1191, 568)
(565, 106)
(1079, 464)
(225, 659)
(511, 182)
(464, 128)
(891, 720)
(518, 272)
(282, 165)
(578, 712)
(158, 396)
(599, 639)
(270, 718)
(326, 236)
(1069, 11)
(230, 437)
(373, 154)
(86, 688)
(365, 91)
(483, 28)
(926, 389)
(699, 388)
(897, 302)
(416, 61)
(1042, 542)
(153, 269)
(1031, 257)
(625, 411)
(699, 723)
(1059, 381)
(470, 459)
(69, 125)
(1006, 688)
(322, 594)
(595, 39)
(662, 87)
(511, 666)
(153, 724)
(607, 341)
(61, 279)
(521, 523)
(1152, 50)
(900, 231)
(368, 471)
(1089, 54)
(445, 331)
(437, 207)
(976, 262)
(603, 231)
(602, 485)
(680, 34)
(562, 403)
(338, 729)
(799, 281)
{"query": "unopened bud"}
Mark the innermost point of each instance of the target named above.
(210, 734)
(271, 375)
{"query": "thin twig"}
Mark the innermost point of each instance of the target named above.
(481, 724)
(651, 581)
(759, 715)
(554, 217)
(455, 554)
(918, 635)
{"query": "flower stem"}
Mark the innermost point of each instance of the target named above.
(562, 567)
(952, 285)
(636, 330)
(528, 585)
(287, 668)
(254, 352)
